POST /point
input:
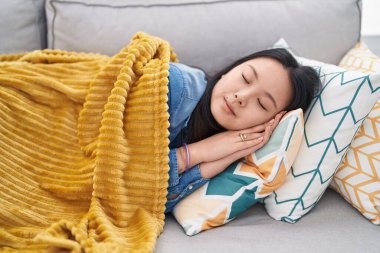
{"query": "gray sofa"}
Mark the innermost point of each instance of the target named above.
(210, 34)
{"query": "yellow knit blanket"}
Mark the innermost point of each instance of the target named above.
(84, 148)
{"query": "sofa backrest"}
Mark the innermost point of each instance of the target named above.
(22, 25)
(207, 33)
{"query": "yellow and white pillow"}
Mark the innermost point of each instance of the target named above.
(357, 179)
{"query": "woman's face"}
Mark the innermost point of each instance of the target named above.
(250, 94)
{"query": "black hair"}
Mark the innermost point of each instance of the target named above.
(305, 84)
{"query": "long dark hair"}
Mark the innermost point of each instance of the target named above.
(304, 79)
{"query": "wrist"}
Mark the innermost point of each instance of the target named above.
(195, 155)
(181, 163)
(186, 154)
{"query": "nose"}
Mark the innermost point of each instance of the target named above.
(246, 95)
(238, 98)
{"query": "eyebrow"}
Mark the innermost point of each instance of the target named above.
(254, 72)
(266, 93)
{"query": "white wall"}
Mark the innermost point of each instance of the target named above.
(371, 17)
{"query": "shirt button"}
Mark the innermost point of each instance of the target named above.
(190, 187)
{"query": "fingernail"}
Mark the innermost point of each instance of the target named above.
(271, 122)
(260, 139)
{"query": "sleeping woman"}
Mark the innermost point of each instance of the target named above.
(217, 120)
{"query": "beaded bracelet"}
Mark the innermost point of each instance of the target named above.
(187, 156)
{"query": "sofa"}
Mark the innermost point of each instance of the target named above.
(209, 34)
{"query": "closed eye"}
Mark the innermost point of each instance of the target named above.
(244, 78)
(261, 104)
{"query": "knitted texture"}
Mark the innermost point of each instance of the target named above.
(84, 148)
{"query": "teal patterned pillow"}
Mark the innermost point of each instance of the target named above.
(244, 182)
(331, 122)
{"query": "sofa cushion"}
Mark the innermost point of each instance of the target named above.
(208, 34)
(332, 226)
(357, 179)
(22, 26)
(331, 122)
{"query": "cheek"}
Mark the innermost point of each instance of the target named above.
(255, 118)
(249, 119)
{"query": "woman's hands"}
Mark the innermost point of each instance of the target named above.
(210, 169)
(229, 146)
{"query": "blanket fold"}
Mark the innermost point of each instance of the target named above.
(84, 148)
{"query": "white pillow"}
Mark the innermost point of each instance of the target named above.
(331, 122)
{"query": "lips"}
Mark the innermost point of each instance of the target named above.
(229, 107)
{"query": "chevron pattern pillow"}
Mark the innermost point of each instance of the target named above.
(331, 122)
(357, 179)
(245, 182)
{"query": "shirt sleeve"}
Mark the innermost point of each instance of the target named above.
(186, 87)
(173, 168)
(190, 175)
(183, 185)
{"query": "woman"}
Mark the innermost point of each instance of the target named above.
(216, 121)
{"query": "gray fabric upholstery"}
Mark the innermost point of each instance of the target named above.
(332, 226)
(373, 43)
(22, 25)
(209, 33)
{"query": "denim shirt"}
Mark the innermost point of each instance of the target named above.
(186, 86)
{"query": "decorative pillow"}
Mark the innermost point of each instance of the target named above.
(331, 122)
(357, 179)
(245, 181)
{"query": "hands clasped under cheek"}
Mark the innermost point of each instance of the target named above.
(237, 143)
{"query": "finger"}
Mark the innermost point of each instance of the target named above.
(270, 122)
(266, 136)
(254, 145)
(257, 144)
(253, 148)
(281, 115)
(277, 119)
(262, 140)
(252, 142)
(246, 137)
(260, 128)
(253, 136)
(246, 151)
